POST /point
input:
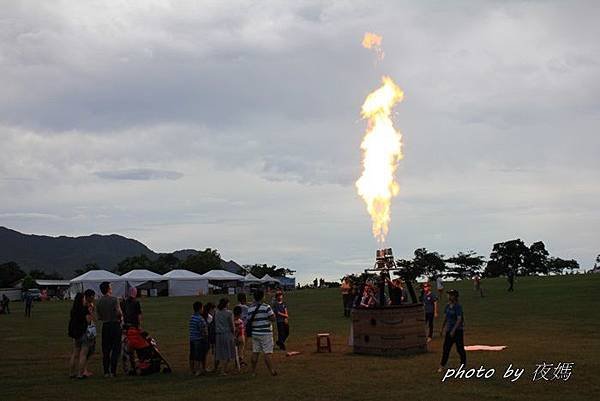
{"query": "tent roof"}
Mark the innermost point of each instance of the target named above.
(181, 274)
(222, 275)
(97, 275)
(142, 275)
(250, 278)
(50, 283)
(268, 279)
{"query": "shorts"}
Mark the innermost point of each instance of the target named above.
(262, 343)
(84, 341)
(198, 350)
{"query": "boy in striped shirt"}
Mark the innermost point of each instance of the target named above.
(260, 316)
(198, 341)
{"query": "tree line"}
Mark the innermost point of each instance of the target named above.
(509, 256)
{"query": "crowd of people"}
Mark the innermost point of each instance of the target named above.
(216, 333)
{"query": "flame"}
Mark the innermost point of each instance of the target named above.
(382, 150)
(373, 41)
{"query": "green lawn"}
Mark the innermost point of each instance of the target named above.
(551, 319)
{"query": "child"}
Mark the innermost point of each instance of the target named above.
(239, 335)
(198, 341)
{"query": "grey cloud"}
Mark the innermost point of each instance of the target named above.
(139, 174)
(258, 104)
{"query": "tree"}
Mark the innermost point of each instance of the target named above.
(465, 265)
(203, 261)
(28, 283)
(536, 260)
(165, 263)
(409, 270)
(37, 274)
(259, 270)
(559, 266)
(432, 264)
(505, 256)
(88, 267)
(10, 273)
(134, 262)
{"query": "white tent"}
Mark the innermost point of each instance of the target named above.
(93, 279)
(140, 276)
(185, 283)
(268, 279)
(251, 279)
(222, 275)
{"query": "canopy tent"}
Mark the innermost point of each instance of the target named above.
(185, 283)
(251, 279)
(268, 279)
(140, 276)
(93, 279)
(222, 275)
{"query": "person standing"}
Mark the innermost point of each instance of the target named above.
(198, 341)
(439, 284)
(430, 304)
(511, 279)
(6, 304)
(241, 297)
(28, 303)
(224, 340)
(78, 324)
(282, 320)
(453, 328)
(90, 296)
(477, 285)
(239, 336)
(132, 319)
(110, 314)
(260, 316)
(346, 289)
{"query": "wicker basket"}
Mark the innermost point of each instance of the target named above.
(392, 330)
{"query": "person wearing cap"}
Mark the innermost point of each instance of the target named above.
(430, 304)
(453, 328)
(281, 317)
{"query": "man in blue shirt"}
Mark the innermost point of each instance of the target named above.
(453, 329)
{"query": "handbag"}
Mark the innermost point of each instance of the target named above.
(251, 320)
(91, 331)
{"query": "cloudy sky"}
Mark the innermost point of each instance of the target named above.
(235, 125)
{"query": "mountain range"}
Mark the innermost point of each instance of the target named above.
(64, 255)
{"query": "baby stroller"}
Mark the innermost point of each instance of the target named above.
(149, 358)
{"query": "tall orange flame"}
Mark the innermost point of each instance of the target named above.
(382, 150)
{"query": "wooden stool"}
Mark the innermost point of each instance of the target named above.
(326, 346)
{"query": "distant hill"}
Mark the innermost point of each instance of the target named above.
(64, 255)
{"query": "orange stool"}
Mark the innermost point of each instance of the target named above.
(323, 347)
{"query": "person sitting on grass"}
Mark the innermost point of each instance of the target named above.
(453, 329)
(198, 341)
(239, 335)
(260, 316)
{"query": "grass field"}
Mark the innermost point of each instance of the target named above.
(551, 319)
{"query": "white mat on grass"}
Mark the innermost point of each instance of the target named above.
(485, 347)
